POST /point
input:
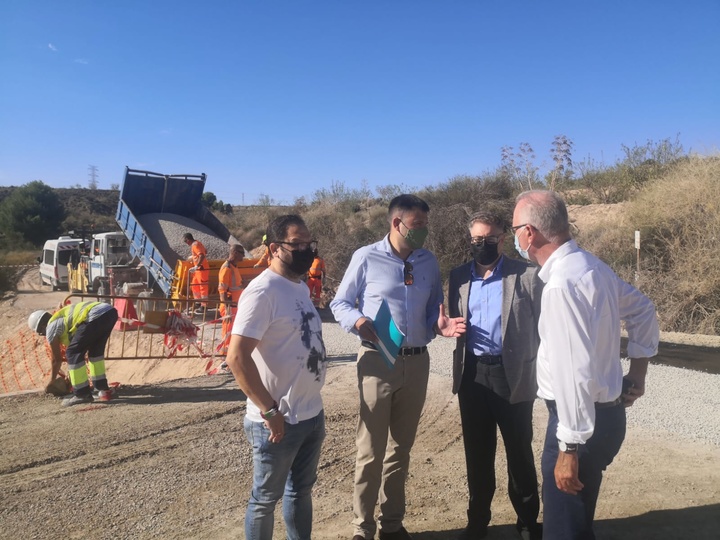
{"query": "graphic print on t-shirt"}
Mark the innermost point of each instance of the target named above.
(315, 357)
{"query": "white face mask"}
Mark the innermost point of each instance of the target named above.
(523, 252)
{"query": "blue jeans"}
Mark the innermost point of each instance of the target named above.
(570, 517)
(287, 469)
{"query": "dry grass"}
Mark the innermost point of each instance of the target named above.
(678, 216)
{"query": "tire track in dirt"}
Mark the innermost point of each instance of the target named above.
(116, 452)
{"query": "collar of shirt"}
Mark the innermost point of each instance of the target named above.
(495, 274)
(567, 248)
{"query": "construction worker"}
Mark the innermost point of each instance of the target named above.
(82, 328)
(200, 272)
(230, 287)
(265, 257)
(316, 276)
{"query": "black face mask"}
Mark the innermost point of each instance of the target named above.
(301, 261)
(484, 254)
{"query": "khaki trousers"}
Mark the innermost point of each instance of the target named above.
(391, 401)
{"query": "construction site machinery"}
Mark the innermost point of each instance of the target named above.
(154, 212)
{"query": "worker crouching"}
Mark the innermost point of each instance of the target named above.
(83, 329)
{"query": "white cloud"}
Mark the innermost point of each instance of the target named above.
(52, 47)
(166, 131)
(81, 61)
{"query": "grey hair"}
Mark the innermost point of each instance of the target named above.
(546, 211)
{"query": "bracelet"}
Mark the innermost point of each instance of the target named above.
(267, 415)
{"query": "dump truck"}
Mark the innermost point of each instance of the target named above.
(154, 212)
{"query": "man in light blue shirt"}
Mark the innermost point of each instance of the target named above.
(398, 270)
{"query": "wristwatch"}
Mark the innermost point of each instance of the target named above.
(567, 447)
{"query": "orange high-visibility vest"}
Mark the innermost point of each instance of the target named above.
(317, 268)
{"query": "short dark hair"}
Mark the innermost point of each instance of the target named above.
(278, 228)
(188, 236)
(407, 202)
(490, 215)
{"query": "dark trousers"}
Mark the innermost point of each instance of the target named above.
(90, 338)
(482, 411)
(570, 517)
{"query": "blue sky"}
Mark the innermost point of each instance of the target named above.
(283, 97)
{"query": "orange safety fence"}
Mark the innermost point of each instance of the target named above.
(24, 363)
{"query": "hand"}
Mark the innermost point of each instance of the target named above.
(633, 392)
(450, 327)
(566, 473)
(366, 330)
(276, 425)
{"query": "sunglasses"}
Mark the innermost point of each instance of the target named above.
(407, 276)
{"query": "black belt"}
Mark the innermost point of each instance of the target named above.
(606, 405)
(485, 359)
(405, 351)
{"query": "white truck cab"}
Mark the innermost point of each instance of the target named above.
(55, 257)
(107, 266)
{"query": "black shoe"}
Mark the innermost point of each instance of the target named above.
(473, 532)
(359, 537)
(533, 532)
(400, 534)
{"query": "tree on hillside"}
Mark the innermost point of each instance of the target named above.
(208, 199)
(32, 213)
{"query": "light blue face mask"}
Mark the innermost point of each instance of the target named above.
(523, 252)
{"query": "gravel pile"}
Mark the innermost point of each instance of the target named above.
(166, 232)
(679, 401)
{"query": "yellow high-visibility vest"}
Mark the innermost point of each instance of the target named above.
(73, 315)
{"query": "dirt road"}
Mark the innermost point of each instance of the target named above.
(170, 460)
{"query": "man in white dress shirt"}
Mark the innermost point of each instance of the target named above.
(579, 371)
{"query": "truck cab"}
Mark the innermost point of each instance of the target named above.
(111, 249)
(107, 265)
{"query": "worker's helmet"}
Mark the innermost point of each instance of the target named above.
(38, 320)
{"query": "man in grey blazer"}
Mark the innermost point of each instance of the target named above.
(494, 372)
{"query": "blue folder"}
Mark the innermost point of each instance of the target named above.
(391, 337)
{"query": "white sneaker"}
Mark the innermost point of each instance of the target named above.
(76, 400)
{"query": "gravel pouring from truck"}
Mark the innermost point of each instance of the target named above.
(154, 212)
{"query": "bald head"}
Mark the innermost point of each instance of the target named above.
(237, 253)
(545, 211)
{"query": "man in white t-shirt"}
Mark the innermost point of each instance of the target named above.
(277, 356)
